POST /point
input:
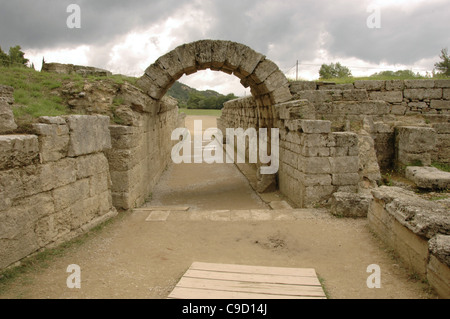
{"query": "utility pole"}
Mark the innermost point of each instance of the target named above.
(296, 73)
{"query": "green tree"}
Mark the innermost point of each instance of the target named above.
(444, 66)
(330, 71)
(17, 56)
(4, 58)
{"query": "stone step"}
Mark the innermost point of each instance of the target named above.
(428, 177)
(235, 215)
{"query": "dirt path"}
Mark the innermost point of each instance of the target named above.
(132, 258)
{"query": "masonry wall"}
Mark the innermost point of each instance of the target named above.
(54, 185)
(314, 161)
(380, 106)
(141, 151)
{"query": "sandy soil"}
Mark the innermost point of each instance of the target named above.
(131, 258)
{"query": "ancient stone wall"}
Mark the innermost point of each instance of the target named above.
(417, 230)
(75, 171)
(141, 151)
(54, 185)
(314, 161)
(380, 106)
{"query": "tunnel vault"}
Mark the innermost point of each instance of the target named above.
(267, 83)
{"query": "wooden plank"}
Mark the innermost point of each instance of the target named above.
(252, 287)
(301, 272)
(191, 293)
(278, 279)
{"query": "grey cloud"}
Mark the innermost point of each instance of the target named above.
(41, 24)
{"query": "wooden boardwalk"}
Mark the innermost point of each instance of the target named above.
(221, 281)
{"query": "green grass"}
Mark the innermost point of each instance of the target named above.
(442, 166)
(34, 92)
(200, 112)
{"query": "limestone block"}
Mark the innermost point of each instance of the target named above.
(345, 179)
(45, 177)
(298, 86)
(7, 122)
(6, 94)
(371, 85)
(18, 150)
(171, 63)
(438, 276)
(53, 140)
(428, 177)
(419, 84)
(423, 218)
(17, 228)
(316, 194)
(314, 165)
(316, 151)
(186, 55)
(88, 134)
(345, 164)
(315, 179)
(150, 87)
(398, 109)
(422, 94)
(345, 139)
(395, 85)
(440, 104)
(203, 53)
(442, 83)
(315, 127)
(137, 100)
(440, 248)
(250, 59)
(159, 76)
(263, 70)
(90, 165)
(67, 195)
(280, 95)
(11, 187)
(299, 109)
(446, 94)
(219, 50)
(350, 204)
(389, 96)
(125, 137)
(355, 95)
(416, 140)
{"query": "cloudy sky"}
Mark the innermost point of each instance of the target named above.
(127, 36)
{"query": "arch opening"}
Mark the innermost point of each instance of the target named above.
(268, 85)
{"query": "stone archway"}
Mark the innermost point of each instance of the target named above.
(267, 83)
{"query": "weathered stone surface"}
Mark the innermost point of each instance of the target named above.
(369, 169)
(370, 85)
(389, 96)
(417, 140)
(350, 204)
(7, 122)
(422, 94)
(315, 127)
(440, 247)
(345, 164)
(53, 139)
(395, 85)
(70, 69)
(18, 150)
(88, 134)
(440, 104)
(424, 218)
(428, 177)
(299, 109)
(419, 84)
(6, 94)
(298, 86)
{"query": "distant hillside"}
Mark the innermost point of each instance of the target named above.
(194, 99)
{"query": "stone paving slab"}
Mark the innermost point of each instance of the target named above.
(238, 215)
(428, 177)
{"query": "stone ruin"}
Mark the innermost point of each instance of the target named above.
(76, 171)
